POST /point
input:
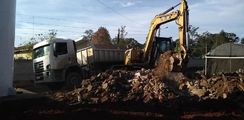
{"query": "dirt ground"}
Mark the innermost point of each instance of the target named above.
(40, 107)
(35, 103)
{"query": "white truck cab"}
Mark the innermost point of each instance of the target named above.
(54, 59)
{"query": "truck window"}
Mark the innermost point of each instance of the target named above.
(61, 48)
(41, 51)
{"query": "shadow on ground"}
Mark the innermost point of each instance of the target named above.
(38, 107)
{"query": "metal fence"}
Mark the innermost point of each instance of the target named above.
(214, 64)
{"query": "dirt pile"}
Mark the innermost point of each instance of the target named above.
(165, 64)
(143, 86)
(218, 86)
(120, 86)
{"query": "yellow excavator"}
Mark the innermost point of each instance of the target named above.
(155, 47)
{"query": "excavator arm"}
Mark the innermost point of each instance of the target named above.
(181, 16)
(132, 56)
(157, 21)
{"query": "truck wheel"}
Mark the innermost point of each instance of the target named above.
(72, 79)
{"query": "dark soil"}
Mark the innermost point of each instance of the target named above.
(42, 108)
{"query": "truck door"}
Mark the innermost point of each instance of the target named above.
(61, 54)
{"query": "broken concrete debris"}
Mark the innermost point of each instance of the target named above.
(143, 86)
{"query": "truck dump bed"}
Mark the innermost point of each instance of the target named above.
(92, 56)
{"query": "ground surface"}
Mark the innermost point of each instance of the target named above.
(36, 103)
(39, 107)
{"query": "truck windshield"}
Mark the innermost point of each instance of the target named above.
(41, 51)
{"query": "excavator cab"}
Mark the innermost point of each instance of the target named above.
(160, 45)
(164, 44)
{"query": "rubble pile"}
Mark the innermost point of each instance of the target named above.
(144, 86)
(218, 86)
(109, 86)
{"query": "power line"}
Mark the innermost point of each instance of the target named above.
(51, 18)
(116, 12)
(58, 30)
(42, 24)
(54, 25)
(66, 20)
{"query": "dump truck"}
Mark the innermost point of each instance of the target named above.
(59, 60)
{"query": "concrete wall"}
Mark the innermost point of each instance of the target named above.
(23, 72)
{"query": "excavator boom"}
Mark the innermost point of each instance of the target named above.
(181, 16)
(157, 21)
(151, 50)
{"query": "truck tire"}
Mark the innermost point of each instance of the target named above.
(72, 79)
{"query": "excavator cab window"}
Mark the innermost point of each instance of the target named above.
(163, 44)
(160, 45)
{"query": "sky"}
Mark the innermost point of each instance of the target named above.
(72, 17)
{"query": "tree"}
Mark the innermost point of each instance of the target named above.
(123, 32)
(39, 37)
(122, 42)
(52, 34)
(121, 35)
(203, 45)
(101, 36)
(88, 35)
(208, 41)
(127, 43)
(193, 34)
(49, 36)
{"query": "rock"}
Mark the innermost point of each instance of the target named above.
(104, 99)
(224, 95)
(199, 92)
(204, 83)
(105, 86)
(144, 86)
(94, 100)
(241, 87)
(137, 75)
(89, 88)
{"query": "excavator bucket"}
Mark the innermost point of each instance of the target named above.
(168, 62)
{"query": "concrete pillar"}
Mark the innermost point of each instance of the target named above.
(7, 37)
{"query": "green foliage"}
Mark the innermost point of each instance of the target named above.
(47, 36)
(28, 46)
(207, 41)
(52, 34)
(193, 34)
(126, 43)
(122, 32)
(122, 42)
(88, 35)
